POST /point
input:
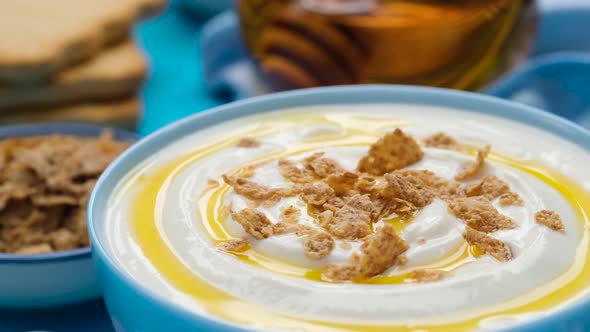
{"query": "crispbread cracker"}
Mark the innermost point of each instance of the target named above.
(123, 113)
(115, 73)
(41, 37)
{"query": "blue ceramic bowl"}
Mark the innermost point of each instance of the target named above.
(135, 308)
(53, 279)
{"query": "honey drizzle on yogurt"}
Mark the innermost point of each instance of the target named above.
(568, 288)
(212, 207)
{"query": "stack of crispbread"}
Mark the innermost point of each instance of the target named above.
(71, 60)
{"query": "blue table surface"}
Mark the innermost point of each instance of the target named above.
(174, 90)
(175, 87)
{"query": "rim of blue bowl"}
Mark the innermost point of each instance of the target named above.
(515, 80)
(49, 128)
(364, 95)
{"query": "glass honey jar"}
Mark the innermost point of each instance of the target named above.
(461, 44)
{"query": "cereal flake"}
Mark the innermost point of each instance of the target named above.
(380, 251)
(253, 204)
(550, 219)
(441, 140)
(479, 213)
(353, 220)
(317, 193)
(254, 223)
(318, 245)
(474, 168)
(253, 190)
(290, 171)
(63, 239)
(234, 245)
(342, 183)
(281, 228)
(428, 181)
(333, 204)
(489, 245)
(490, 187)
(409, 187)
(404, 209)
(290, 215)
(365, 184)
(34, 249)
(423, 275)
(393, 151)
(324, 167)
(249, 142)
(511, 198)
(325, 218)
(383, 208)
(339, 272)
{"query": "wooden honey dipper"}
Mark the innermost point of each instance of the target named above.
(300, 49)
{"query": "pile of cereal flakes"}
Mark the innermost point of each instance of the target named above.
(349, 203)
(45, 183)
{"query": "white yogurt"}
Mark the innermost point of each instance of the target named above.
(540, 255)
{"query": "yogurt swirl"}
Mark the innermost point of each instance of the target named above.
(274, 277)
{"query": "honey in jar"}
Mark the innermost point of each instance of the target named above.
(462, 44)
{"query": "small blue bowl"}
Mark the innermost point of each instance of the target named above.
(136, 308)
(53, 279)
